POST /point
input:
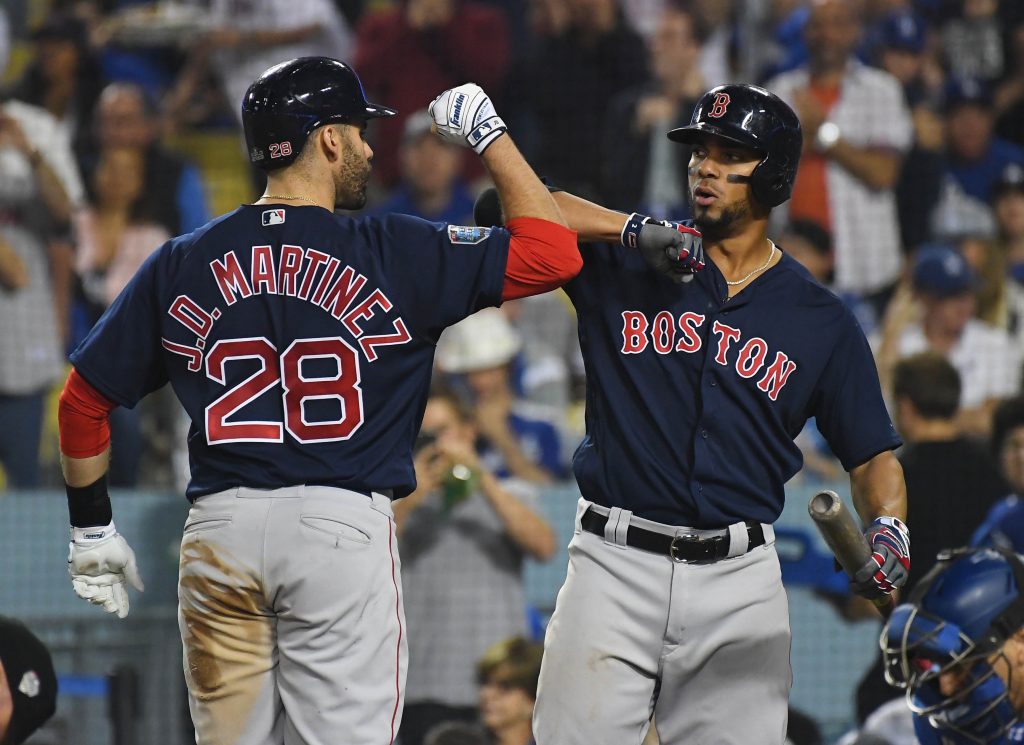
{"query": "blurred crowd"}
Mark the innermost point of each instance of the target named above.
(909, 203)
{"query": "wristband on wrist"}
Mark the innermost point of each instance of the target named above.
(485, 134)
(631, 230)
(892, 522)
(634, 222)
(89, 506)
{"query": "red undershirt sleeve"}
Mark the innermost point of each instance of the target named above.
(82, 418)
(542, 256)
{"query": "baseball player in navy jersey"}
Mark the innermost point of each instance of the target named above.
(673, 604)
(300, 343)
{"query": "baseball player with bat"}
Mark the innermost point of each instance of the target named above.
(673, 603)
(300, 343)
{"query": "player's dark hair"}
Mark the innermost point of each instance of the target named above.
(930, 382)
(1008, 416)
(516, 660)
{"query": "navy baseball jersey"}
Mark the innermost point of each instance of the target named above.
(299, 342)
(693, 400)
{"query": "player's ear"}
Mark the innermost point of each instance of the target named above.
(329, 140)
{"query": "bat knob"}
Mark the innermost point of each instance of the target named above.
(824, 503)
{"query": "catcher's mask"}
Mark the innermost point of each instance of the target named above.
(956, 621)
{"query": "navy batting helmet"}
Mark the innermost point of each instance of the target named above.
(958, 616)
(758, 119)
(287, 102)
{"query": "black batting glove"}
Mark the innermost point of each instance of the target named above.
(671, 249)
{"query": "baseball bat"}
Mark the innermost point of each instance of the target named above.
(843, 535)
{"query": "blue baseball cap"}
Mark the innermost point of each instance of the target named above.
(961, 91)
(942, 271)
(904, 30)
(1010, 180)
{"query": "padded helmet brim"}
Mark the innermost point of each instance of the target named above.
(690, 135)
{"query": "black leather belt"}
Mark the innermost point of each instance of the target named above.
(681, 547)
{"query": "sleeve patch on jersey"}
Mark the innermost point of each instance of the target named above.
(273, 217)
(466, 234)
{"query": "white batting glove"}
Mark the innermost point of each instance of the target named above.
(465, 116)
(99, 562)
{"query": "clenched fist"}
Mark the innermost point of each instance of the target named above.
(669, 248)
(465, 116)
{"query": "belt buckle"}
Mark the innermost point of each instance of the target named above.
(673, 547)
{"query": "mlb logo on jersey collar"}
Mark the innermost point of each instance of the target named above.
(273, 217)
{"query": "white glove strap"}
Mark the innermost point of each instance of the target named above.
(485, 133)
(86, 536)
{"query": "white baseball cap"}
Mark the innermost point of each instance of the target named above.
(483, 340)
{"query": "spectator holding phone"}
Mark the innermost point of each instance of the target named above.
(463, 536)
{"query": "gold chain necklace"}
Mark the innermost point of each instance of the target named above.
(761, 268)
(283, 196)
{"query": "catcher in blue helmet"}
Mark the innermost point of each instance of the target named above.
(957, 648)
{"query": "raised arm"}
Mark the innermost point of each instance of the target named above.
(465, 116)
(522, 193)
(670, 249)
(542, 252)
(591, 221)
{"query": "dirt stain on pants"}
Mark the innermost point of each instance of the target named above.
(227, 634)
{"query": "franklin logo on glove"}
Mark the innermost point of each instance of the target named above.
(456, 117)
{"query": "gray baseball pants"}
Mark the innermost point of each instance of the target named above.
(702, 646)
(290, 611)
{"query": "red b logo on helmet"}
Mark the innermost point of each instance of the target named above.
(719, 106)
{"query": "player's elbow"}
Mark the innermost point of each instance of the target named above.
(565, 260)
(82, 419)
(542, 256)
(572, 266)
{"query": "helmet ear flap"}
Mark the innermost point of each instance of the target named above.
(769, 184)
